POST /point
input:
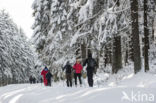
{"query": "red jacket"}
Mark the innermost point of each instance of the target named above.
(43, 73)
(78, 68)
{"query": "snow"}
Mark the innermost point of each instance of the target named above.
(83, 13)
(139, 85)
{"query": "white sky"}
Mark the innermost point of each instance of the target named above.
(21, 13)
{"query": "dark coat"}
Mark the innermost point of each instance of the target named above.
(49, 75)
(68, 68)
(87, 61)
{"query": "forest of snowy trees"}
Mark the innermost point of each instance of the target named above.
(16, 57)
(117, 32)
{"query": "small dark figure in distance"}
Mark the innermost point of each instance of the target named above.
(91, 64)
(31, 79)
(34, 80)
(78, 69)
(41, 80)
(68, 69)
(48, 77)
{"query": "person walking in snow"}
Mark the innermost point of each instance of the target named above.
(31, 79)
(43, 73)
(34, 80)
(78, 69)
(48, 77)
(68, 69)
(91, 64)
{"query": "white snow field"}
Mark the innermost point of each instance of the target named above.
(140, 88)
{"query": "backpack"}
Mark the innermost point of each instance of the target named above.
(91, 63)
(49, 75)
(68, 69)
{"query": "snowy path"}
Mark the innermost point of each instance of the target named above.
(37, 93)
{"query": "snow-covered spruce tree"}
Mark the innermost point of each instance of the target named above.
(16, 57)
(40, 26)
(58, 42)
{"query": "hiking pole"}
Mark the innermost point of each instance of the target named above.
(52, 83)
(63, 83)
(98, 83)
(41, 83)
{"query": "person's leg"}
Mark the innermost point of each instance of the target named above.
(89, 77)
(79, 76)
(46, 82)
(75, 76)
(50, 82)
(67, 76)
(70, 80)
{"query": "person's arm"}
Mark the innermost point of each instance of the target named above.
(81, 67)
(42, 72)
(64, 67)
(85, 62)
(95, 63)
(51, 75)
(74, 67)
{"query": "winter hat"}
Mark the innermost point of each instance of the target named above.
(46, 69)
(68, 62)
(89, 55)
(78, 60)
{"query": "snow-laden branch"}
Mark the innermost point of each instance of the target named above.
(78, 35)
(115, 4)
(119, 11)
(100, 12)
(90, 18)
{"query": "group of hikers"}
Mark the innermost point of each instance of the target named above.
(32, 80)
(77, 69)
(46, 76)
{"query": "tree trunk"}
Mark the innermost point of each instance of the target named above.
(117, 56)
(135, 35)
(83, 52)
(131, 51)
(146, 38)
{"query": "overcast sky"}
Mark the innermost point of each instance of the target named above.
(21, 13)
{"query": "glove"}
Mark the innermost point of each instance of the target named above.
(82, 71)
(74, 71)
(94, 71)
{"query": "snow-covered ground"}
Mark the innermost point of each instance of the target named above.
(140, 88)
